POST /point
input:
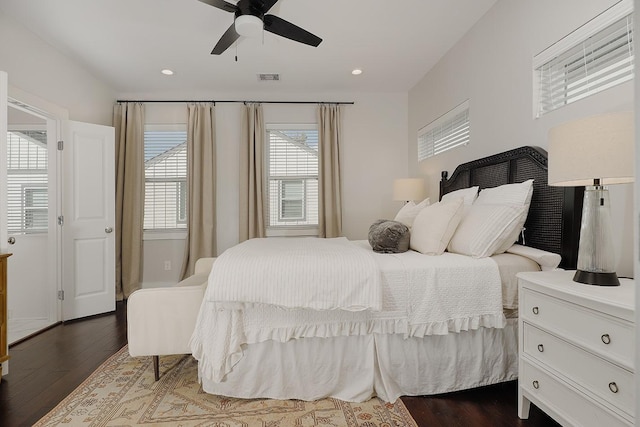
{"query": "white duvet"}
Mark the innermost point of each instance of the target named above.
(421, 295)
(320, 274)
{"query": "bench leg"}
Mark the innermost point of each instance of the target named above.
(156, 367)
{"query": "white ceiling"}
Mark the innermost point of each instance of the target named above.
(126, 43)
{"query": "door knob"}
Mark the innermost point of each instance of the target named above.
(11, 240)
(108, 230)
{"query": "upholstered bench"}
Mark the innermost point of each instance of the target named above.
(160, 321)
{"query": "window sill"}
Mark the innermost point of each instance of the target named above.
(292, 232)
(164, 235)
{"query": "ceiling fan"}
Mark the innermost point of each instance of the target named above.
(251, 18)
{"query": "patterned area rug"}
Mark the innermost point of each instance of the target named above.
(122, 392)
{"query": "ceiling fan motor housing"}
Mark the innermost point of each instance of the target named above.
(248, 25)
(248, 20)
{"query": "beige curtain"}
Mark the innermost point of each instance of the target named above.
(252, 218)
(201, 184)
(329, 186)
(128, 120)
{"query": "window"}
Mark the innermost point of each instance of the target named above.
(595, 57)
(165, 175)
(36, 202)
(444, 133)
(27, 190)
(292, 198)
(292, 181)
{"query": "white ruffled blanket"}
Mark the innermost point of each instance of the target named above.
(421, 295)
(320, 274)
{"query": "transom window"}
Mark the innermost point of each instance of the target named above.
(448, 131)
(595, 57)
(165, 175)
(292, 176)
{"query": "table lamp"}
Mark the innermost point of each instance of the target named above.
(408, 189)
(595, 152)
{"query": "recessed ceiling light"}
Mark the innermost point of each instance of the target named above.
(356, 72)
(167, 72)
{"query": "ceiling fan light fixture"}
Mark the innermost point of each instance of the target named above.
(248, 25)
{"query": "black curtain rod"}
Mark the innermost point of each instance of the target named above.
(236, 101)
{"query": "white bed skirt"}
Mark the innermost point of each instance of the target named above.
(357, 368)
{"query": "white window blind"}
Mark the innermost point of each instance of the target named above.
(446, 132)
(292, 167)
(595, 57)
(165, 174)
(27, 189)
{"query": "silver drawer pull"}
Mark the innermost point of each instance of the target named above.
(540, 348)
(536, 310)
(606, 338)
(613, 387)
(536, 385)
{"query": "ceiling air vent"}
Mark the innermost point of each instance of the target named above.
(269, 77)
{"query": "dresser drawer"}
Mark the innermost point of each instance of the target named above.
(608, 381)
(606, 335)
(571, 405)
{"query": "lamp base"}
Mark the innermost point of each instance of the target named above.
(594, 278)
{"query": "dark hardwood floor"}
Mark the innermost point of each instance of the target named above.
(491, 406)
(47, 367)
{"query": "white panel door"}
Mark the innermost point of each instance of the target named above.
(88, 237)
(3, 161)
(3, 174)
(31, 221)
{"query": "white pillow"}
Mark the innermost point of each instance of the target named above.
(434, 226)
(509, 194)
(484, 229)
(409, 211)
(467, 194)
(546, 260)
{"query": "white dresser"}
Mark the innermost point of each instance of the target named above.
(576, 346)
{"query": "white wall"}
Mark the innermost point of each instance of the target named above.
(374, 153)
(41, 75)
(492, 66)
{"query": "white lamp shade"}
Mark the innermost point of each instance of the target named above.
(408, 189)
(597, 147)
(248, 25)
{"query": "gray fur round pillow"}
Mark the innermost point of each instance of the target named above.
(389, 237)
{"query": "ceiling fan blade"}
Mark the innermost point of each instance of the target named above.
(263, 5)
(226, 40)
(221, 4)
(286, 29)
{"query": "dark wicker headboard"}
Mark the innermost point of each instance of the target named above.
(553, 223)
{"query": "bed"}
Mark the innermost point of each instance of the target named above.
(401, 347)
